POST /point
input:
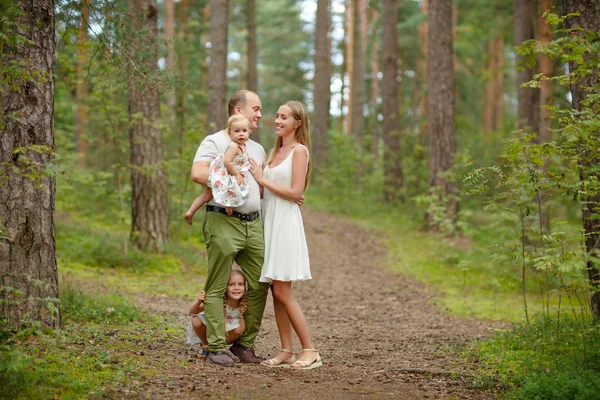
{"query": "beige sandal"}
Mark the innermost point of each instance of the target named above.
(277, 363)
(318, 362)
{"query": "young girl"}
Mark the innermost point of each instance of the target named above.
(234, 307)
(286, 254)
(227, 180)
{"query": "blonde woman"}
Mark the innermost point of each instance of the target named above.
(284, 180)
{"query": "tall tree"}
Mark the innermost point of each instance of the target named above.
(422, 74)
(588, 21)
(349, 23)
(321, 82)
(81, 88)
(528, 98)
(27, 232)
(182, 66)
(169, 38)
(442, 129)
(392, 165)
(374, 16)
(217, 74)
(252, 77)
(358, 84)
(150, 224)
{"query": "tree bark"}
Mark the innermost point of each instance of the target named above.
(81, 89)
(217, 74)
(374, 86)
(169, 39)
(358, 84)
(499, 82)
(589, 21)
(150, 223)
(349, 61)
(182, 93)
(27, 232)
(252, 72)
(321, 82)
(392, 165)
(442, 129)
(528, 114)
(423, 73)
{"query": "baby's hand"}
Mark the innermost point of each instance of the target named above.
(201, 297)
(240, 179)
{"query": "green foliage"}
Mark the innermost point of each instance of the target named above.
(82, 359)
(548, 359)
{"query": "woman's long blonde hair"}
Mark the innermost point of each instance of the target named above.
(302, 134)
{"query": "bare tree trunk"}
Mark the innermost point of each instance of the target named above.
(442, 129)
(321, 82)
(392, 165)
(150, 224)
(170, 38)
(374, 86)
(488, 104)
(499, 81)
(589, 21)
(528, 98)
(359, 68)
(217, 112)
(27, 233)
(349, 61)
(546, 67)
(181, 93)
(81, 90)
(423, 72)
(252, 54)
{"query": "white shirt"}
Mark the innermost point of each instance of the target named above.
(217, 143)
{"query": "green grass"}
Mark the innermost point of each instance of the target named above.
(91, 354)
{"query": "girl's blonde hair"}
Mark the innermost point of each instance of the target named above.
(302, 134)
(236, 118)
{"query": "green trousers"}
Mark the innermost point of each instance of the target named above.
(230, 239)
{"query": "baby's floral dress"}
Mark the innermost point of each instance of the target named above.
(224, 186)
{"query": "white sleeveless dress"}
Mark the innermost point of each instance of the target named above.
(286, 252)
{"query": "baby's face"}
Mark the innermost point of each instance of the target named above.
(240, 132)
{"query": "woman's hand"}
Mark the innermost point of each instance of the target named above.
(256, 171)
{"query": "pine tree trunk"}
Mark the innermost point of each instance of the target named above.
(81, 90)
(359, 67)
(27, 233)
(150, 224)
(217, 73)
(499, 82)
(442, 129)
(389, 92)
(423, 72)
(589, 20)
(252, 73)
(182, 93)
(374, 88)
(489, 100)
(528, 114)
(349, 61)
(321, 83)
(169, 39)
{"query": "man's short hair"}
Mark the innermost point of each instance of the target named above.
(238, 99)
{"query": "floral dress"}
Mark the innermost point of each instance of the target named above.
(224, 186)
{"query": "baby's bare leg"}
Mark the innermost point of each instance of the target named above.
(198, 202)
(229, 210)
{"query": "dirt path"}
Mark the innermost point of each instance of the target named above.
(374, 330)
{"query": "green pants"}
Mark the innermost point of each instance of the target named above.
(230, 239)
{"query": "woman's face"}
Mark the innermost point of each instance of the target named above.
(285, 123)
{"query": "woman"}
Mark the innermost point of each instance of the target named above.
(286, 254)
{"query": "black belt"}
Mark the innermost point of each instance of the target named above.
(244, 217)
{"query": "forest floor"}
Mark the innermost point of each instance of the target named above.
(377, 332)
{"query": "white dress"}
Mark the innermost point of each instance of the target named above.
(286, 252)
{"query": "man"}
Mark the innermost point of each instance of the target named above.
(238, 238)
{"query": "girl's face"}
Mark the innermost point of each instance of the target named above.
(240, 132)
(285, 123)
(235, 287)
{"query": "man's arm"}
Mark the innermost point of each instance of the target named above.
(200, 172)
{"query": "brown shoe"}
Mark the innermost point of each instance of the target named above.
(220, 358)
(245, 354)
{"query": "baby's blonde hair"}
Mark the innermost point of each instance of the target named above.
(236, 118)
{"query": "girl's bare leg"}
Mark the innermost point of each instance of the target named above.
(234, 334)
(199, 330)
(198, 202)
(282, 291)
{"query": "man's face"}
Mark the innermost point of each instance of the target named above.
(251, 110)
